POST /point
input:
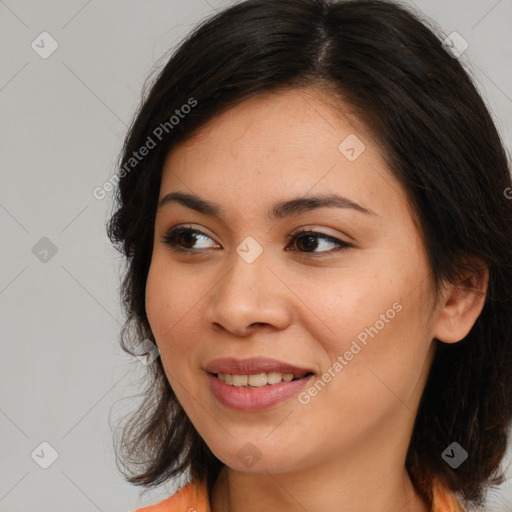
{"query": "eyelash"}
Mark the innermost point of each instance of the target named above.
(169, 239)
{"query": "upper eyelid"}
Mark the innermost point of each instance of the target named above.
(296, 233)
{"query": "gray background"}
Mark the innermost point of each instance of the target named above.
(64, 379)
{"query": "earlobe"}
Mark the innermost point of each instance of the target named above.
(461, 306)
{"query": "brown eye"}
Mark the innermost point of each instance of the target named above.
(183, 239)
(307, 241)
(186, 238)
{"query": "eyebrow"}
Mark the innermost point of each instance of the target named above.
(280, 210)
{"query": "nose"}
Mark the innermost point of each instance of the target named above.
(248, 297)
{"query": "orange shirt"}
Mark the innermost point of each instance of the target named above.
(194, 498)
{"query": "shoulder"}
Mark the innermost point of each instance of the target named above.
(192, 497)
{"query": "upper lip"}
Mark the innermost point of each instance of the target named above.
(253, 365)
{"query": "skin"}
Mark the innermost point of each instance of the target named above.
(346, 448)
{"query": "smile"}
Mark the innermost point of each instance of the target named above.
(258, 380)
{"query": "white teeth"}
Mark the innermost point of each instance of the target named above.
(274, 377)
(256, 380)
(240, 380)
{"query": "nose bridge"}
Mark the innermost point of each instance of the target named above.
(248, 273)
(249, 293)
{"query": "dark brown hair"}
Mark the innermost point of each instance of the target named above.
(421, 106)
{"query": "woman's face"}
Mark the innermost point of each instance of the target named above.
(357, 313)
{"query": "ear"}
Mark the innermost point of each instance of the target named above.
(461, 305)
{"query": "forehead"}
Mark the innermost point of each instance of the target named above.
(282, 144)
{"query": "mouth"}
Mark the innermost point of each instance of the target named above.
(258, 380)
(255, 372)
(253, 385)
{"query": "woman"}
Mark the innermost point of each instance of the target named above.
(314, 206)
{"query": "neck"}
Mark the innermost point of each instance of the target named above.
(318, 488)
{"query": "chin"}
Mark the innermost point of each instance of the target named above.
(247, 456)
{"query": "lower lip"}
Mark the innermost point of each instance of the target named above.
(255, 399)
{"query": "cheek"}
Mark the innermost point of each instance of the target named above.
(342, 309)
(164, 310)
(382, 358)
(157, 301)
(169, 297)
(375, 322)
(171, 300)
